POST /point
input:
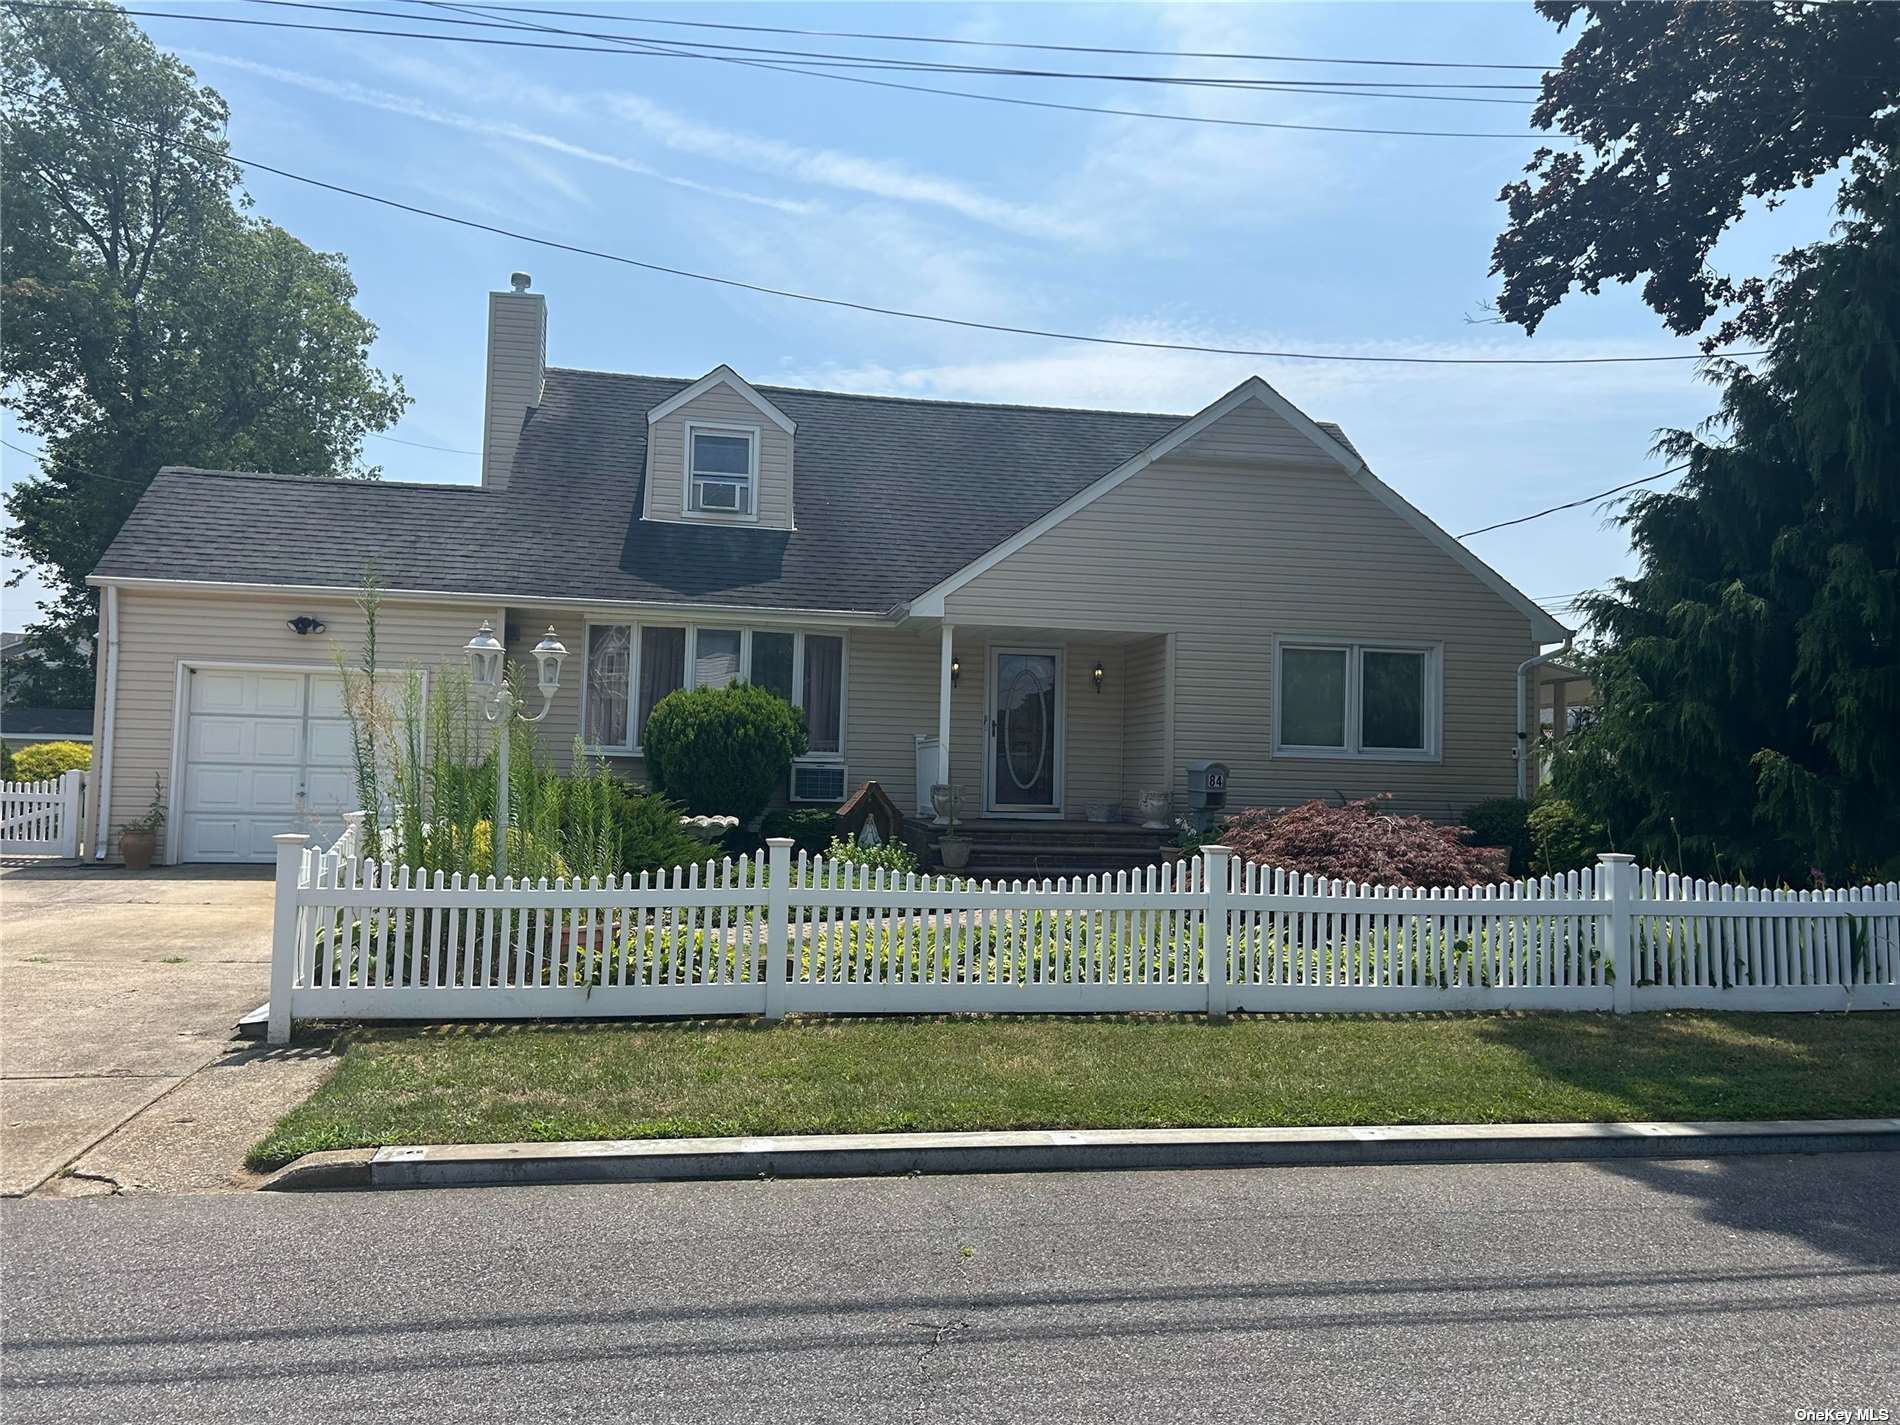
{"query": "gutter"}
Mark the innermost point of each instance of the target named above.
(1523, 731)
(102, 819)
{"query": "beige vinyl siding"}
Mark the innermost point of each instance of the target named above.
(1145, 720)
(666, 459)
(890, 697)
(1252, 434)
(1225, 557)
(158, 630)
(517, 359)
(555, 732)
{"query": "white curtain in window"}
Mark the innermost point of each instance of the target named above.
(716, 657)
(609, 664)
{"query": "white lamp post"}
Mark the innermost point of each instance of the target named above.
(497, 701)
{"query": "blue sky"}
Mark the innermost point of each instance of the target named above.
(1081, 222)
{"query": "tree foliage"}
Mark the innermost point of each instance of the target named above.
(147, 319)
(1686, 113)
(1750, 673)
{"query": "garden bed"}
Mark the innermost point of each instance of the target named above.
(550, 1083)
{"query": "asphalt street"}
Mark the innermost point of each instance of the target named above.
(1733, 1289)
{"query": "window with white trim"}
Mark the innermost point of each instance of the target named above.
(1371, 700)
(630, 667)
(722, 468)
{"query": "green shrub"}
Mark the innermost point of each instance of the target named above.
(1562, 838)
(890, 856)
(1502, 821)
(43, 761)
(811, 828)
(651, 837)
(723, 751)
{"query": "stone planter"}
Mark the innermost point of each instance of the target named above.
(138, 848)
(954, 851)
(1153, 807)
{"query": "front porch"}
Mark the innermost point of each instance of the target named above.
(1052, 737)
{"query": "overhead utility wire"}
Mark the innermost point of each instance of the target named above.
(967, 323)
(1587, 499)
(1021, 44)
(821, 74)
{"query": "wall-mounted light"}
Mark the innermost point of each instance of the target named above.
(1097, 673)
(303, 625)
(956, 670)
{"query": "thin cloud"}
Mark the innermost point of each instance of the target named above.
(350, 92)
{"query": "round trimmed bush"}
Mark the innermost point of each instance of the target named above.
(44, 761)
(723, 751)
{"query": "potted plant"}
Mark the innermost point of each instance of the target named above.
(954, 851)
(138, 838)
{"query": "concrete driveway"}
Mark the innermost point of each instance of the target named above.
(119, 1068)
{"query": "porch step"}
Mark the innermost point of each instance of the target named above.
(1024, 850)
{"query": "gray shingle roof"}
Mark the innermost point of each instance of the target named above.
(893, 495)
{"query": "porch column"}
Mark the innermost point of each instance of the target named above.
(943, 707)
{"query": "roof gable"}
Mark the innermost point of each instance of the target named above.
(724, 376)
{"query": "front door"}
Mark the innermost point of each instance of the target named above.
(1024, 756)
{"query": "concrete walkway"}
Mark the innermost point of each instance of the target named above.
(118, 992)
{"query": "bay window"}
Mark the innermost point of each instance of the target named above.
(630, 667)
(1365, 700)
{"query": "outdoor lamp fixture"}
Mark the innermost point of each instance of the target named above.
(489, 682)
(1096, 674)
(956, 670)
(304, 624)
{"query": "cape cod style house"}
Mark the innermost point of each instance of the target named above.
(1059, 611)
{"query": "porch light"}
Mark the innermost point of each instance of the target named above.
(548, 654)
(304, 625)
(484, 658)
(1096, 674)
(956, 670)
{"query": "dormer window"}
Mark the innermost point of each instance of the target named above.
(722, 470)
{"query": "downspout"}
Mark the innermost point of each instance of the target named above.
(1523, 731)
(102, 821)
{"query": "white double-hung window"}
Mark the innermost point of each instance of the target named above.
(1335, 698)
(722, 470)
(630, 667)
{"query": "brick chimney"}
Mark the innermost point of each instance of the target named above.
(517, 359)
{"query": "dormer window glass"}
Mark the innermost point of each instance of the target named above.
(721, 470)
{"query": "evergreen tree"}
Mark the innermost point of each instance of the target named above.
(1750, 673)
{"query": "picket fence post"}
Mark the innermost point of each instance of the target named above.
(69, 793)
(1217, 872)
(1616, 883)
(778, 914)
(283, 935)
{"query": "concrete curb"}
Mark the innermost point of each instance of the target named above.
(336, 1170)
(895, 1154)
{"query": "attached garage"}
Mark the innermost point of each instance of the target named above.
(265, 751)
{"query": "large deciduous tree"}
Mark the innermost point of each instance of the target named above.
(1685, 113)
(147, 319)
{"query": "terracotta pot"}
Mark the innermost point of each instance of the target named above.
(138, 848)
(954, 852)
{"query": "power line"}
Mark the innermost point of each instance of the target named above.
(1587, 499)
(1024, 44)
(966, 323)
(810, 73)
(419, 445)
(22, 450)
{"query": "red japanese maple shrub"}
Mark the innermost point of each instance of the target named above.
(1358, 842)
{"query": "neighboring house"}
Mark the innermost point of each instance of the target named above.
(21, 725)
(1054, 609)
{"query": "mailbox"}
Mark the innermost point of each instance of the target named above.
(1207, 791)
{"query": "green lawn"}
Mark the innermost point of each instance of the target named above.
(550, 1082)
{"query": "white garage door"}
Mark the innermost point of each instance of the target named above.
(265, 752)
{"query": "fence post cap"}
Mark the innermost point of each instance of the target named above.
(777, 841)
(1615, 858)
(291, 838)
(1217, 850)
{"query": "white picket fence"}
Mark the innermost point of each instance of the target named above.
(41, 818)
(770, 934)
